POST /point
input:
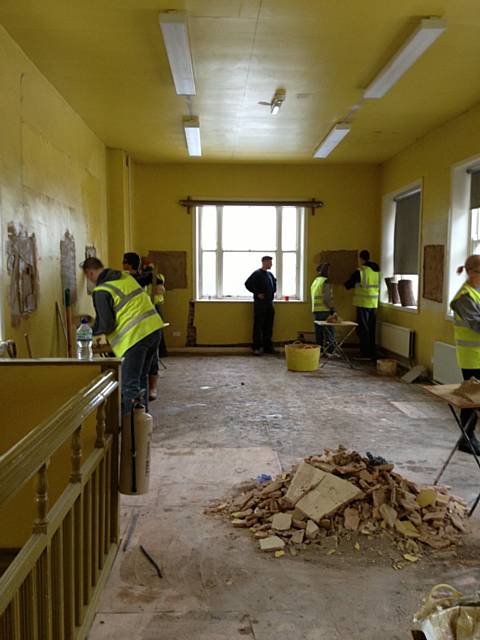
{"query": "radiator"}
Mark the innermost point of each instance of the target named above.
(445, 368)
(396, 339)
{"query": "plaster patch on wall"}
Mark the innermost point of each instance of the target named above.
(68, 265)
(23, 270)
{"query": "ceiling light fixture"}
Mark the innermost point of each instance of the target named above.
(277, 101)
(175, 36)
(191, 127)
(334, 137)
(425, 35)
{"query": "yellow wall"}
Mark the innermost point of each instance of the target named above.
(349, 220)
(431, 158)
(52, 178)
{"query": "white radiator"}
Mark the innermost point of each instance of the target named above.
(445, 368)
(396, 339)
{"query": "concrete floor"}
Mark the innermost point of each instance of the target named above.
(224, 420)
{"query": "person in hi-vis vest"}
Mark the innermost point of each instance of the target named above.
(131, 263)
(366, 284)
(466, 308)
(322, 307)
(126, 315)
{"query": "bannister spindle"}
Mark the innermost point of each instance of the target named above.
(76, 456)
(101, 424)
(41, 500)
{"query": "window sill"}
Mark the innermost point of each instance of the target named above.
(248, 300)
(399, 307)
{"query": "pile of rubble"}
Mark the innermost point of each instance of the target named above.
(341, 492)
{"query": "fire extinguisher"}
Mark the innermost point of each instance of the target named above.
(135, 455)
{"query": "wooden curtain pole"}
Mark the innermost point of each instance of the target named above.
(312, 204)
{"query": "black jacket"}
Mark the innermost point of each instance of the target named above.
(355, 277)
(262, 281)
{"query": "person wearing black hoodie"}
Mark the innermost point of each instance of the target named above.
(366, 284)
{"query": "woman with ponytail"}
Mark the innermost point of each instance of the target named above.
(466, 308)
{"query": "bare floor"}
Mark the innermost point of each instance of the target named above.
(223, 420)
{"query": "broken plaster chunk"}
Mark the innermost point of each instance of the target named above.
(312, 530)
(407, 529)
(238, 522)
(328, 496)
(273, 543)
(297, 537)
(389, 515)
(282, 521)
(305, 479)
(352, 519)
(426, 497)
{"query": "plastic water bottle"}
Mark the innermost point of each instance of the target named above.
(84, 341)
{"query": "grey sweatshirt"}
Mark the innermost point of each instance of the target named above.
(468, 311)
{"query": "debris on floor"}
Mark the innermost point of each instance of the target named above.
(447, 614)
(340, 493)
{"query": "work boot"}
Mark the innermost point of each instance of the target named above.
(152, 387)
(463, 446)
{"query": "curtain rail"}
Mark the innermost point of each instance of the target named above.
(308, 204)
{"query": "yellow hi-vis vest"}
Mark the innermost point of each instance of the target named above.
(135, 315)
(317, 294)
(467, 340)
(367, 290)
(158, 298)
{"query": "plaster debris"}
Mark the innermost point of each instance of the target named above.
(340, 494)
(273, 543)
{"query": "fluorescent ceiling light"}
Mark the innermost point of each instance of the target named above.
(175, 36)
(425, 35)
(334, 137)
(191, 126)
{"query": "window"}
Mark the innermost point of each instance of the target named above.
(464, 223)
(231, 240)
(400, 248)
(474, 212)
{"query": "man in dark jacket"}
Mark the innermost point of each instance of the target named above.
(263, 285)
(366, 284)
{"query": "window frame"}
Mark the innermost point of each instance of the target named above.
(277, 255)
(388, 243)
(460, 237)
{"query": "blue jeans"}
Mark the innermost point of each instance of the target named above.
(135, 367)
(324, 336)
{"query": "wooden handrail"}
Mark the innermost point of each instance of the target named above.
(22, 461)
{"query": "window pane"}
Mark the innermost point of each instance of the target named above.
(249, 228)
(209, 274)
(237, 266)
(208, 227)
(289, 228)
(289, 284)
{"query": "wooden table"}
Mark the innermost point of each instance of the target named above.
(456, 403)
(337, 344)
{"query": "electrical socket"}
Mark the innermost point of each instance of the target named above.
(176, 334)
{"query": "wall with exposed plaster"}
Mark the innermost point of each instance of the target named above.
(52, 178)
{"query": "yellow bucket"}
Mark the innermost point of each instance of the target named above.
(302, 357)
